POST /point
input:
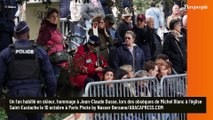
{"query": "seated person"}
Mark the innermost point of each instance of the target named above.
(87, 65)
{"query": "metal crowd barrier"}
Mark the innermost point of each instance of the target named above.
(123, 88)
(138, 87)
(64, 26)
(135, 87)
(174, 86)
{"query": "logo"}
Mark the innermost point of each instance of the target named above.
(27, 51)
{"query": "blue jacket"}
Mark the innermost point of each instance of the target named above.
(123, 56)
(45, 70)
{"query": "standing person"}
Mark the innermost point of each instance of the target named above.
(124, 26)
(138, 29)
(156, 14)
(90, 9)
(23, 64)
(180, 3)
(76, 18)
(174, 46)
(103, 35)
(175, 14)
(182, 12)
(126, 3)
(141, 40)
(109, 21)
(153, 38)
(184, 29)
(8, 10)
(64, 8)
(107, 6)
(51, 39)
(129, 53)
(88, 65)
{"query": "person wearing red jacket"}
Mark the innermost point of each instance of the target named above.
(51, 39)
(88, 64)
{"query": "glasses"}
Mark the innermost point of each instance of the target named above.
(127, 38)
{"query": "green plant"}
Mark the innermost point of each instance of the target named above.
(3, 115)
(56, 116)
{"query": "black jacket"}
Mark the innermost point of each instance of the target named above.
(176, 51)
(122, 28)
(142, 41)
(154, 42)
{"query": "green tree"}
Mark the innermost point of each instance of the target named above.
(141, 5)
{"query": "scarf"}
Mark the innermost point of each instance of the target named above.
(176, 34)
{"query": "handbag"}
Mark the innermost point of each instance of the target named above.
(58, 57)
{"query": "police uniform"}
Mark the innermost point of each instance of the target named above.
(8, 10)
(24, 67)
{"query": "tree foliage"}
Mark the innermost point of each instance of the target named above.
(141, 5)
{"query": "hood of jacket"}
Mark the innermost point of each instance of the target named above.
(47, 25)
(45, 31)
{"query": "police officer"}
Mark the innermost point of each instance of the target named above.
(25, 67)
(8, 10)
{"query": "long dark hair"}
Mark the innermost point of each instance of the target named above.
(49, 12)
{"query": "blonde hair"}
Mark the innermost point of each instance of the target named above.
(131, 33)
(127, 68)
